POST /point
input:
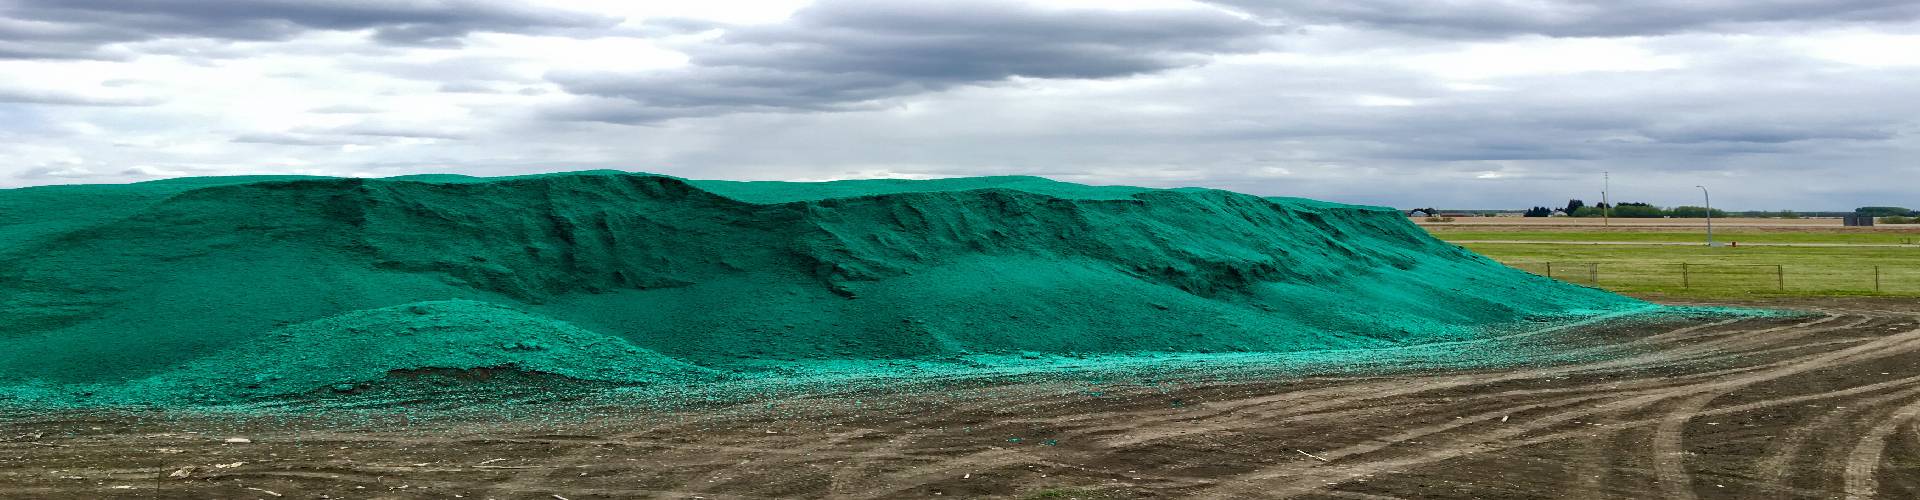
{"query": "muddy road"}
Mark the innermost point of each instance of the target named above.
(1823, 406)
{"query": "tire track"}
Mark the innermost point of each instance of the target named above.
(1398, 389)
(1775, 467)
(1218, 424)
(1318, 478)
(1670, 453)
(1864, 461)
(1669, 450)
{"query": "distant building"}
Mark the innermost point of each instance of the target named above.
(1419, 213)
(1857, 220)
(1558, 213)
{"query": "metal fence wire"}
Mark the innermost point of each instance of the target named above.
(1755, 278)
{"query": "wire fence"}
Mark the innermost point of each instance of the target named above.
(1732, 278)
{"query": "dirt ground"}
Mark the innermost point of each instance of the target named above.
(1808, 407)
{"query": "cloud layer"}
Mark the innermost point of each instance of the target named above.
(1577, 18)
(77, 28)
(1468, 103)
(840, 54)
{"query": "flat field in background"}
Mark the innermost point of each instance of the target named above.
(1582, 222)
(1650, 258)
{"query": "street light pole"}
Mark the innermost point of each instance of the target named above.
(1709, 199)
(1606, 178)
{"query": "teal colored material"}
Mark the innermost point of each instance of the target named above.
(230, 289)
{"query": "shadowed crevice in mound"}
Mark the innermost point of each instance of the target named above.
(187, 282)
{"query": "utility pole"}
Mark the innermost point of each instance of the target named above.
(1606, 178)
(1709, 200)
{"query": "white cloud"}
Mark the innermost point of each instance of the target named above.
(1383, 100)
(153, 171)
(70, 172)
(1862, 48)
(1527, 56)
(727, 11)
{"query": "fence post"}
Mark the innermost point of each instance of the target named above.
(1780, 274)
(1876, 279)
(1684, 281)
(1549, 269)
(1593, 273)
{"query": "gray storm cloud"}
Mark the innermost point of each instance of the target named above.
(59, 29)
(838, 54)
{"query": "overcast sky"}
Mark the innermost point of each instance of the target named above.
(1811, 105)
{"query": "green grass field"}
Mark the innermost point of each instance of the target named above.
(1740, 235)
(1700, 271)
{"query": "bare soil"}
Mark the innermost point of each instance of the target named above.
(1826, 406)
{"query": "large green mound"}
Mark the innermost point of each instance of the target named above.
(307, 279)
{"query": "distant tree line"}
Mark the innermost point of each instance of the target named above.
(1886, 211)
(1891, 215)
(1580, 208)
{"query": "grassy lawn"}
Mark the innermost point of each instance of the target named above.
(1741, 235)
(1716, 272)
